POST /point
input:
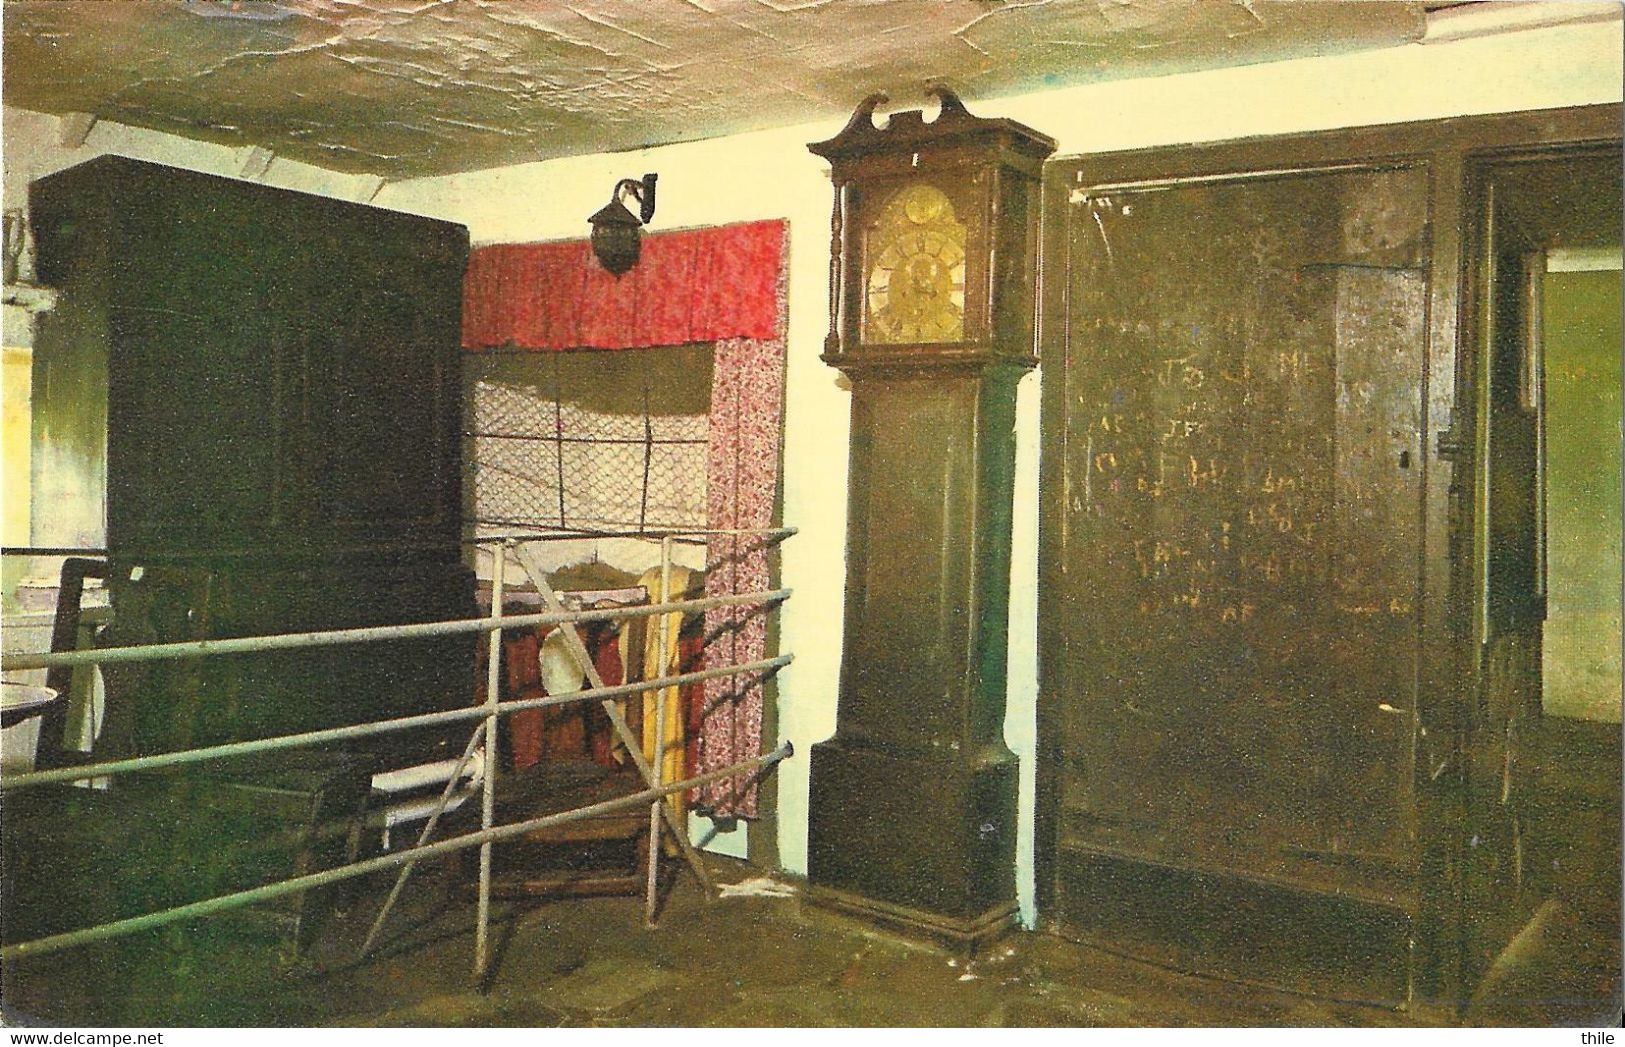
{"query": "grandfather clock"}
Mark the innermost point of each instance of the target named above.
(913, 818)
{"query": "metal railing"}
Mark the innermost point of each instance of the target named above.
(485, 716)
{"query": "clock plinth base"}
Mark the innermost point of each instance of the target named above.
(922, 842)
(967, 937)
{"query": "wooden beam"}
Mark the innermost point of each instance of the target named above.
(256, 161)
(74, 128)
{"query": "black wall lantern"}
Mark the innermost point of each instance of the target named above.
(616, 236)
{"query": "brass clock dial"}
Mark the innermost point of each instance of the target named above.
(915, 253)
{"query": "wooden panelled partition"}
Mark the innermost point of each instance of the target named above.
(1257, 731)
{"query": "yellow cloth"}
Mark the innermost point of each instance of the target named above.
(658, 663)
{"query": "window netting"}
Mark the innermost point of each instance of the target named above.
(591, 440)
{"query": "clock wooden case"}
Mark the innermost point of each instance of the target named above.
(913, 816)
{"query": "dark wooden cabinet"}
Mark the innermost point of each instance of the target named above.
(252, 395)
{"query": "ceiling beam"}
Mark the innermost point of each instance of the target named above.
(74, 128)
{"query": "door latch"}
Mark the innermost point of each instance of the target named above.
(1450, 444)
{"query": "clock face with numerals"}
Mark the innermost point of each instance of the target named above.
(914, 252)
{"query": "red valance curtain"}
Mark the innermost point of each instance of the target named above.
(722, 285)
(694, 285)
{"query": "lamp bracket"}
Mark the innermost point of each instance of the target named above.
(643, 191)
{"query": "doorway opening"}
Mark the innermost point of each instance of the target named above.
(1545, 748)
(1579, 351)
(1550, 438)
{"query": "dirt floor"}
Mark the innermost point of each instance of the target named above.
(746, 961)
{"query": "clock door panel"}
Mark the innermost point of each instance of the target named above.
(910, 557)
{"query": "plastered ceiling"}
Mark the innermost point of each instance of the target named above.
(401, 88)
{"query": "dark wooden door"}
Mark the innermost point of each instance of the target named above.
(1271, 741)
(384, 303)
(1238, 551)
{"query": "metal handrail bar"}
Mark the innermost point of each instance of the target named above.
(488, 712)
(363, 730)
(564, 532)
(488, 781)
(544, 533)
(373, 634)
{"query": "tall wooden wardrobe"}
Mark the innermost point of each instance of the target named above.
(251, 397)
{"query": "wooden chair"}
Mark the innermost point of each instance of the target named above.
(603, 855)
